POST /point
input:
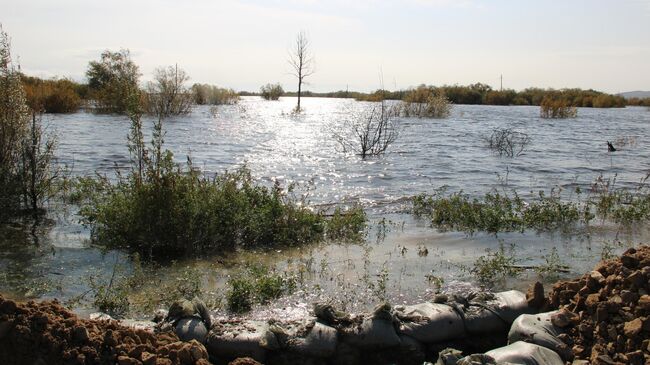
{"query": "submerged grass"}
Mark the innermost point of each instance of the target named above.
(500, 212)
(257, 284)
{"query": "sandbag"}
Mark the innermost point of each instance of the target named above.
(449, 356)
(191, 328)
(246, 339)
(320, 341)
(430, 322)
(524, 353)
(538, 329)
(411, 351)
(496, 313)
(372, 333)
(477, 359)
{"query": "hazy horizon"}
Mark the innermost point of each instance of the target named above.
(600, 45)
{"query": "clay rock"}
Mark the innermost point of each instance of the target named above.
(633, 328)
(535, 296)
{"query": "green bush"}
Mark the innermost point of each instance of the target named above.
(163, 209)
(497, 212)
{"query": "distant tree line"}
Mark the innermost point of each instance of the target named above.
(482, 94)
(114, 75)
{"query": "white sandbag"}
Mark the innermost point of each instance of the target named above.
(244, 339)
(495, 314)
(191, 328)
(320, 341)
(430, 322)
(373, 333)
(538, 329)
(524, 353)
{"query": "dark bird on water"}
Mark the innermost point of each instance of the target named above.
(610, 147)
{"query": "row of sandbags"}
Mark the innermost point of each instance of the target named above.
(406, 331)
(533, 340)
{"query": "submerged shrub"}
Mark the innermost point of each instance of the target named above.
(26, 152)
(495, 266)
(256, 284)
(271, 91)
(205, 94)
(164, 209)
(557, 108)
(52, 96)
(425, 103)
(506, 141)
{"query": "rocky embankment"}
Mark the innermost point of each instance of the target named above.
(600, 318)
(605, 314)
(46, 333)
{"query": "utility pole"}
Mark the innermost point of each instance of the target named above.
(501, 82)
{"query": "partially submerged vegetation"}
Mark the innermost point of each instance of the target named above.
(507, 142)
(557, 108)
(26, 153)
(498, 212)
(163, 209)
(369, 133)
(423, 102)
(205, 94)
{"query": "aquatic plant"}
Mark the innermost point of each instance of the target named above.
(112, 80)
(498, 212)
(557, 108)
(52, 96)
(26, 151)
(423, 102)
(495, 266)
(256, 284)
(506, 141)
(167, 94)
(369, 133)
(163, 209)
(205, 94)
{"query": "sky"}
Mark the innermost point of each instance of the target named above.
(599, 44)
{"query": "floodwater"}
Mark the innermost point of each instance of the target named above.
(55, 259)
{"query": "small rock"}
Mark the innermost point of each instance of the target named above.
(644, 302)
(630, 261)
(592, 300)
(633, 328)
(628, 297)
(635, 358)
(80, 334)
(125, 360)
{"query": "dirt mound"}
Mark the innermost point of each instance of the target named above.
(606, 313)
(47, 333)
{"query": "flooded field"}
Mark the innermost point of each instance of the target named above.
(403, 259)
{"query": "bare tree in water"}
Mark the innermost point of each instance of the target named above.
(301, 61)
(370, 133)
